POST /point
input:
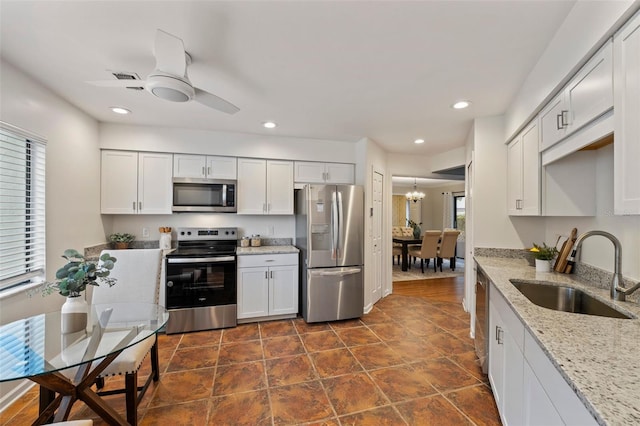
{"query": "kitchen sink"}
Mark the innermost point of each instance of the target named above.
(566, 299)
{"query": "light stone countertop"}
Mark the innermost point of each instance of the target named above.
(599, 357)
(241, 251)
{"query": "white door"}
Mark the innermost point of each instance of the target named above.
(530, 204)
(283, 290)
(376, 292)
(251, 194)
(189, 166)
(279, 187)
(222, 168)
(253, 292)
(119, 182)
(155, 192)
(340, 173)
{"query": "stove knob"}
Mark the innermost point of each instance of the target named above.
(169, 283)
(181, 232)
(188, 232)
(226, 232)
(233, 232)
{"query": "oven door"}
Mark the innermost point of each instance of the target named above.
(207, 281)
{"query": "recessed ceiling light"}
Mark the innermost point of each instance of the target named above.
(120, 110)
(461, 104)
(269, 124)
(419, 141)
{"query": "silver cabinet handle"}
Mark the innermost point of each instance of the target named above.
(559, 121)
(134, 206)
(203, 172)
(139, 206)
(499, 334)
(266, 275)
(208, 171)
(271, 274)
(565, 117)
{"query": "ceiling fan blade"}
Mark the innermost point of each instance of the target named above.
(117, 83)
(215, 102)
(170, 54)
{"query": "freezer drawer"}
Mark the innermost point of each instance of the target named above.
(333, 294)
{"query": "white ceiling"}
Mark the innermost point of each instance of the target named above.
(387, 70)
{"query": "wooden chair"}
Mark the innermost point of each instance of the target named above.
(448, 248)
(428, 250)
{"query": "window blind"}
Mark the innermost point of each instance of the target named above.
(22, 207)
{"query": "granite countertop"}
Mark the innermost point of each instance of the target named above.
(285, 249)
(598, 356)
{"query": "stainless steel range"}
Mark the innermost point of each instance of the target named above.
(201, 280)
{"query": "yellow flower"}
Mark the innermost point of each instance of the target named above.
(534, 249)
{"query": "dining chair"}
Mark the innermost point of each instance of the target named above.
(428, 250)
(138, 278)
(448, 247)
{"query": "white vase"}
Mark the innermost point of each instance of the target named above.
(74, 312)
(543, 265)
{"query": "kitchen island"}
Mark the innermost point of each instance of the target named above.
(597, 356)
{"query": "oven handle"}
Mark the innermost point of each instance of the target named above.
(201, 259)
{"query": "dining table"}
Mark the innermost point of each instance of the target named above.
(65, 365)
(406, 242)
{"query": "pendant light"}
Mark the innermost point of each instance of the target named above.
(415, 196)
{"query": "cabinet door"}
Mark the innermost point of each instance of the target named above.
(340, 173)
(155, 195)
(496, 356)
(553, 123)
(512, 373)
(590, 93)
(253, 292)
(530, 204)
(627, 125)
(119, 182)
(279, 187)
(251, 194)
(538, 408)
(222, 167)
(309, 172)
(283, 290)
(189, 166)
(514, 176)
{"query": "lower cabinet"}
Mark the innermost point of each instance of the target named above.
(527, 388)
(267, 286)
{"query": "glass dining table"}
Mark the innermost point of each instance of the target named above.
(66, 365)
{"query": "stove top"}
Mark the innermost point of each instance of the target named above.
(194, 242)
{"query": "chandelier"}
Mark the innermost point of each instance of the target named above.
(415, 196)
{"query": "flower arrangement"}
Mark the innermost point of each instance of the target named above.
(416, 228)
(74, 277)
(121, 238)
(544, 252)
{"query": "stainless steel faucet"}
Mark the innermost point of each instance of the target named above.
(618, 292)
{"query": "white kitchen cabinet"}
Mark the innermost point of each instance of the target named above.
(588, 95)
(204, 166)
(264, 186)
(135, 183)
(626, 46)
(267, 286)
(312, 172)
(523, 173)
(538, 408)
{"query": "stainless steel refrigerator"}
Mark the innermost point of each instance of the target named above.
(330, 236)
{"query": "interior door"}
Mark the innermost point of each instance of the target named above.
(376, 292)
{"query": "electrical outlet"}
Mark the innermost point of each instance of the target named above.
(145, 232)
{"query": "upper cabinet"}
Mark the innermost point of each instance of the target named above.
(626, 45)
(135, 183)
(264, 186)
(523, 173)
(588, 95)
(312, 172)
(201, 166)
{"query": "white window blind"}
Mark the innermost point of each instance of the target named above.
(22, 207)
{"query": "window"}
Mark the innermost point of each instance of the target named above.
(22, 207)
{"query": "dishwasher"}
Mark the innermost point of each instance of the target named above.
(482, 319)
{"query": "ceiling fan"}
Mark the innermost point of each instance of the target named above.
(169, 79)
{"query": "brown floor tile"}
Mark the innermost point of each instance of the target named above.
(300, 403)
(304, 327)
(321, 341)
(390, 331)
(168, 341)
(449, 344)
(376, 356)
(282, 346)
(383, 416)
(434, 410)
(350, 323)
(241, 333)
(183, 386)
(290, 370)
(469, 361)
(402, 383)
(335, 362)
(376, 316)
(342, 389)
(277, 328)
(248, 408)
(444, 375)
(164, 358)
(187, 414)
(449, 322)
(233, 353)
(201, 338)
(191, 358)
(477, 402)
(414, 349)
(236, 378)
(357, 336)
(327, 422)
(422, 327)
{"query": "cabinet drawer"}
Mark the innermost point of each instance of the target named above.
(248, 261)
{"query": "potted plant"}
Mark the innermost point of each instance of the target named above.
(417, 232)
(121, 240)
(543, 255)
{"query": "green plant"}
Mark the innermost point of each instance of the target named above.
(121, 238)
(544, 252)
(78, 273)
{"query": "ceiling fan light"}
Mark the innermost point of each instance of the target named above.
(170, 88)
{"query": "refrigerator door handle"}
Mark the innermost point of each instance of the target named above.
(340, 225)
(334, 225)
(342, 272)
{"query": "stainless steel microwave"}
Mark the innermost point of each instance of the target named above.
(204, 195)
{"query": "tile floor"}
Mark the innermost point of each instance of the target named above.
(408, 362)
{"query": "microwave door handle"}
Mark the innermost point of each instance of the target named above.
(334, 225)
(224, 195)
